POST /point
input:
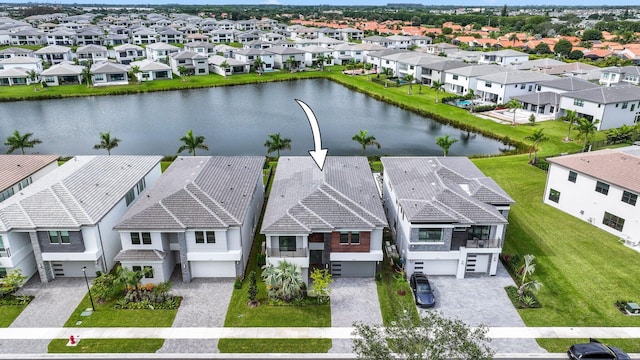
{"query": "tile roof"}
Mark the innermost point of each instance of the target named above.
(569, 84)
(80, 192)
(304, 199)
(516, 77)
(141, 255)
(14, 168)
(606, 95)
(444, 189)
(198, 192)
(620, 166)
(540, 98)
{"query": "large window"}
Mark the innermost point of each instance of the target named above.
(146, 238)
(573, 176)
(479, 232)
(613, 221)
(141, 238)
(629, 197)
(430, 235)
(141, 185)
(344, 238)
(287, 243)
(349, 237)
(602, 188)
(208, 237)
(59, 237)
(578, 102)
(554, 195)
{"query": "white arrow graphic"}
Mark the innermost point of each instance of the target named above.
(318, 154)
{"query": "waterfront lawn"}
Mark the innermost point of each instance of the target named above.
(584, 270)
(259, 346)
(106, 316)
(392, 303)
(106, 346)
(8, 313)
(562, 345)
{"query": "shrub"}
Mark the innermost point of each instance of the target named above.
(378, 276)
(482, 108)
(13, 281)
(262, 260)
(104, 287)
(238, 283)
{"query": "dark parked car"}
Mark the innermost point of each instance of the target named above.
(422, 291)
(595, 350)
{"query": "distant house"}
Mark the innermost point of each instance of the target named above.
(226, 66)
(325, 219)
(613, 106)
(249, 56)
(127, 53)
(503, 57)
(152, 70)
(108, 73)
(195, 63)
(63, 222)
(200, 215)
(19, 171)
(600, 187)
(61, 36)
(22, 62)
(161, 51)
(500, 87)
(92, 53)
(63, 74)
(626, 75)
(460, 80)
(446, 216)
(55, 54)
(201, 47)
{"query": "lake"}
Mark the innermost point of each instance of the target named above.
(235, 120)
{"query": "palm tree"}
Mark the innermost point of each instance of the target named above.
(135, 70)
(328, 59)
(258, 64)
(537, 137)
(445, 143)
(409, 78)
(320, 61)
(20, 141)
(183, 71)
(437, 86)
(33, 76)
(387, 72)
(276, 143)
(572, 118)
(191, 143)
(513, 38)
(514, 105)
(290, 63)
(86, 75)
(225, 65)
(365, 140)
(107, 142)
(586, 128)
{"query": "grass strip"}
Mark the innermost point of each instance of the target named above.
(106, 346)
(8, 313)
(274, 345)
(562, 345)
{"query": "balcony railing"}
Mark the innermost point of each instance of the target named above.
(5, 252)
(486, 243)
(298, 252)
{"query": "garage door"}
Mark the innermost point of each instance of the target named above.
(72, 269)
(353, 268)
(433, 267)
(209, 269)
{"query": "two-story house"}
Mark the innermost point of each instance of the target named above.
(325, 219)
(500, 87)
(600, 187)
(194, 63)
(19, 171)
(127, 53)
(201, 214)
(613, 106)
(64, 221)
(446, 216)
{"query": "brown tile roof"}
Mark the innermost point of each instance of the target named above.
(621, 168)
(14, 168)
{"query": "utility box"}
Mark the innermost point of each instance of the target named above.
(633, 308)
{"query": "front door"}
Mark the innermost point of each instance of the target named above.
(315, 259)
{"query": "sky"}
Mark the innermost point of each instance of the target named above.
(348, 2)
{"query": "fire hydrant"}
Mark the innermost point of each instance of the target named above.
(72, 340)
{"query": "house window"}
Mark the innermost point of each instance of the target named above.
(136, 268)
(633, 106)
(344, 238)
(430, 235)
(355, 237)
(141, 185)
(98, 77)
(6, 194)
(24, 183)
(602, 188)
(625, 105)
(629, 198)
(573, 176)
(131, 195)
(287, 243)
(205, 236)
(478, 232)
(455, 77)
(146, 238)
(578, 102)
(59, 237)
(3, 272)
(554, 195)
(135, 238)
(488, 84)
(613, 221)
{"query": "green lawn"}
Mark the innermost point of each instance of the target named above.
(584, 270)
(390, 295)
(8, 313)
(274, 345)
(106, 316)
(562, 345)
(107, 346)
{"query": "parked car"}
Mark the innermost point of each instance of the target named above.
(595, 350)
(422, 291)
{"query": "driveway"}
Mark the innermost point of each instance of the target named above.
(52, 306)
(353, 300)
(482, 300)
(204, 304)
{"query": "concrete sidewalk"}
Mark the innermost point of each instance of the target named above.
(296, 333)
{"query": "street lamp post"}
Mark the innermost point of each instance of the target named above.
(84, 271)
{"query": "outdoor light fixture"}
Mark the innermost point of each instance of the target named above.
(84, 271)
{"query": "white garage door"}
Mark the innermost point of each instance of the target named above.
(72, 269)
(353, 268)
(210, 269)
(433, 267)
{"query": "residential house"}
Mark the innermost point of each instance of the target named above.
(127, 53)
(440, 48)
(171, 36)
(500, 87)
(613, 106)
(13, 51)
(15, 76)
(546, 100)
(194, 63)
(201, 215)
(143, 36)
(378, 40)
(63, 74)
(63, 222)
(161, 51)
(226, 66)
(503, 57)
(460, 80)
(26, 63)
(249, 56)
(107, 73)
(201, 47)
(446, 216)
(620, 76)
(19, 171)
(311, 54)
(151, 70)
(89, 36)
(92, 53)
(600, 187)
(435, 71)
(346, 53)
(55, 54)
(221, 36)
(28, 37)
(287, 58)
(61, 36)
(329, 219)
(351, 34)
(386, 58)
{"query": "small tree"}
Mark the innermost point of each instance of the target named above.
(514, 105)
(225, 65)
(107, 142)
(587, 128)
(572, 118)
(12, 282)
(191, 143)
(364, 139)
(432, 337)
(527, 269)
(409, 78)
(258, 65)
(536, 137)
(253, 289)
(33, 76)
(135, 70)
(183, 71)
(104, 287)
(437, 86)
(532, 120)
(284, 282)
(20, 141)
(322, 280)
(276, 143)
(445, 143)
